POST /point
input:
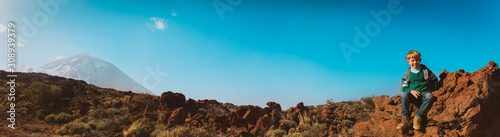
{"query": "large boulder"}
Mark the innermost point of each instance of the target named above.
(171, 101)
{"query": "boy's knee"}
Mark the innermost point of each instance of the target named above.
(405, 94)
(428, 96)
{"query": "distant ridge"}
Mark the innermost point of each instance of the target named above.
(91, 70)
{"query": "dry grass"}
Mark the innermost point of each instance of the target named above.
(275, 133)
(181, 131)
(140, 128)
(74, 128)
(308, 127)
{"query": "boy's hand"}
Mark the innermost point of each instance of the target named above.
(415, 93)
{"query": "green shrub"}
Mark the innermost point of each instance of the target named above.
(42, 95)
(50, 118)
(63, 118)
(74, 128)
(140, 128)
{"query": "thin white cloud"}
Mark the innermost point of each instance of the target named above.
(157, 23)
(56, 58)
(173, 13)
(20, 44)
(3, 28)
(61, 57)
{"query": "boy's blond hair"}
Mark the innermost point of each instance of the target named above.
(413, 54)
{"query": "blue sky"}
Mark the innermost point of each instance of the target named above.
(252, 52)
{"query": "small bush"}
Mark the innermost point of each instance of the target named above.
(140, 128)
(76, 115)
(110, 125)
(275, 133)
(159, 128)
(50, 118)
(35, 128)
(181, 131)
(289, 123)
(308, 127)
(74, 128)
(93, 124)
(368, 102)
(104, 113)
(63, 118)
(140, 101)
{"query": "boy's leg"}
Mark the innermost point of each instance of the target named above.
(427, 100)
(405, 103)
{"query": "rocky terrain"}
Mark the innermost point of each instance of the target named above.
(465, 105)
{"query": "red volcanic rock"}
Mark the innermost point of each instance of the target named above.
(465, 105)
(195, 121)
(253, 114)
(170, 100)
(297, 110)
(330, 113)
(206, 103)
(275, 118)
(273, 106)
(212, 106)
(262, 125)
(177, 117)
(245, 116)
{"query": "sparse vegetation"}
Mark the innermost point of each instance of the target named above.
(276, 133)
(289, 123)
(74, 128)
(50, 118)
(43, 95)
(140, 128)
(181, 131)
(308, 127)
(62, 118)
(86, 110)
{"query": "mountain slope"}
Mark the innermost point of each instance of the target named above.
(91, 70)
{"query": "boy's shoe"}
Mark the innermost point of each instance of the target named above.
(417, 120)
(405, 122)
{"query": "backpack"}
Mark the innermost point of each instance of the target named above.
(426, 75)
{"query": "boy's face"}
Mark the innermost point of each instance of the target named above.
(414, 62)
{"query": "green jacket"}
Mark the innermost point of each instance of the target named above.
(417, 82)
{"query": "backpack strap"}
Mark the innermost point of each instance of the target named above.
(426, 71)
(407, 76)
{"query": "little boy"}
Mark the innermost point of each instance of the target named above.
(418, 84)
